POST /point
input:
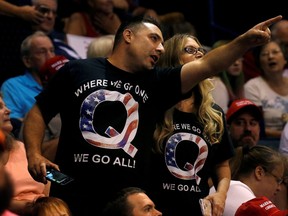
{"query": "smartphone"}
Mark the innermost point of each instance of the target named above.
(206, 207)
(58, 177)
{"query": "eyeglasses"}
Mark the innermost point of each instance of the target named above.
(46, 10)
(193, 50)
(285, 180)
(279, 180)
(273, 52)
(43, 51)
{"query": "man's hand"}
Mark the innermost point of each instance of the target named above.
(37, 167)
(260, 33)
(29, 13)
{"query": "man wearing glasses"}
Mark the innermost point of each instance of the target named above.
(19, 21)
(49, 9)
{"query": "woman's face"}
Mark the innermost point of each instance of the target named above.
(272, 59)
(189, 53)
(5, 123)
(236, 68)
(271, 182)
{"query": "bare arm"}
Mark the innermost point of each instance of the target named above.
(76, 25)
(33, 133)
(218, 198)
(121, 4)
(27, 12)
(108, 23)
(49, 148)
(21, 207)
(273, 133)
(220, 58)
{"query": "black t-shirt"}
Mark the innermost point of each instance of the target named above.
(108, 118)
(181, 173)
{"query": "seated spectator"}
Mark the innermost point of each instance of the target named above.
(260, 206)
(244, 119)
(270, 90)
(281, 198)
(279, 30)
(232, 77)
(96, 20)
(221, 99)
(25, 12)
(13, 157)
(49, 9)
(132, 8)
(15, 25)
(129, 8)
(131, 201)
(14, 30)
(279, 33)
(256, 171)
(171, 22)
(183, 27)
(101, 46)
(48, 206)
(250, 68)
(179, 26)
(36, 49)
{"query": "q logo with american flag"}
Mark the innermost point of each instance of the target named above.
(189, 171)
(115, 139)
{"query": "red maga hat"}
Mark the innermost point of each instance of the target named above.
(260, 206)
(241, 105)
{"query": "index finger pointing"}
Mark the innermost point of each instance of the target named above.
(271, 21)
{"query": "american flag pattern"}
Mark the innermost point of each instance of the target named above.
(189, 171)
(116, 139)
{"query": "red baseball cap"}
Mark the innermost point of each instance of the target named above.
(52, 65)
(260, 206)
(243, 105)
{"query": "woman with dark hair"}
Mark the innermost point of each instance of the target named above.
(270, 90)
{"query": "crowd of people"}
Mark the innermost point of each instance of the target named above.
(149, 123)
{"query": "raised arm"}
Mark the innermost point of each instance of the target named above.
(220, 58)
(33, 135)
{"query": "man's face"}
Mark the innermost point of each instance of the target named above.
(142, 205)
(48, 8)
(146, 47)
(41, 50)
(244, 130)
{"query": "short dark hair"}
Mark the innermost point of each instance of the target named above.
(119, 206)
(132, 23)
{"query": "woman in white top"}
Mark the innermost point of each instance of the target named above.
(256, 171)
(270, 89)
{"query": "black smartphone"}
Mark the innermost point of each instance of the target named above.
(58, 177)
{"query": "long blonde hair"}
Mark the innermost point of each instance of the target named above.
(46, 206)
(210, 118)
